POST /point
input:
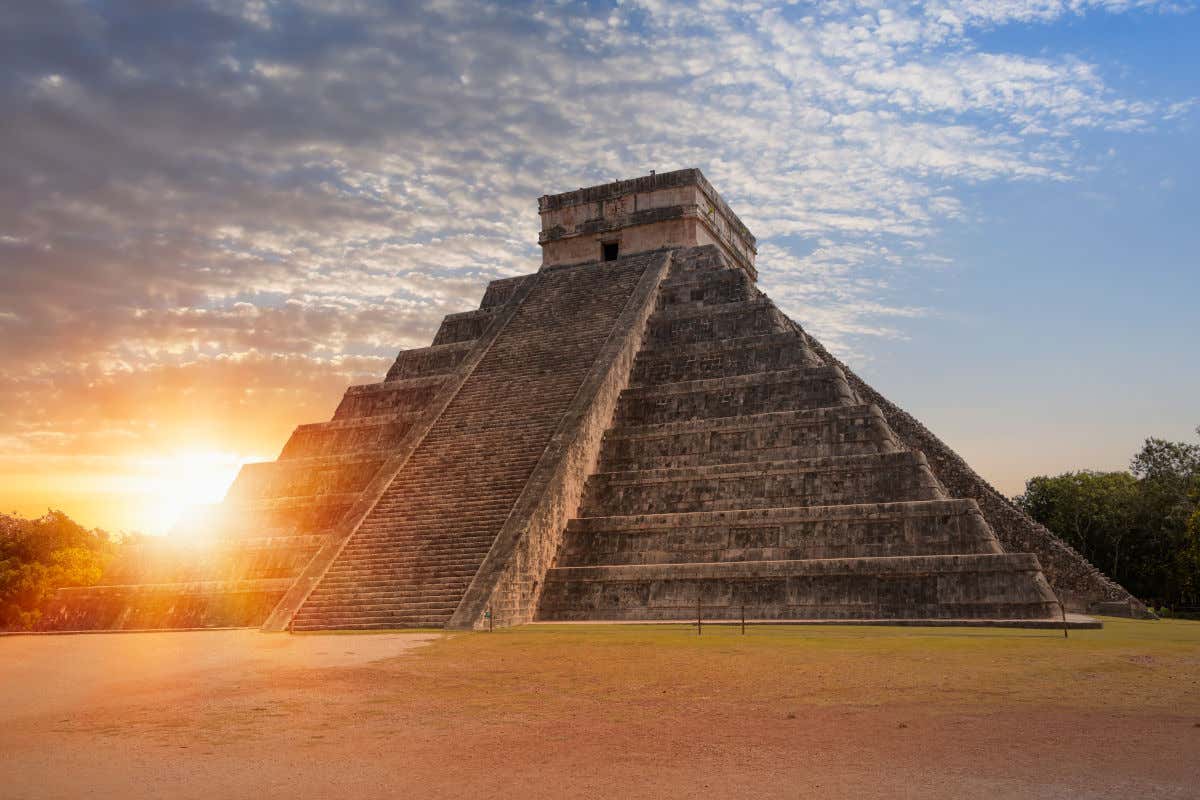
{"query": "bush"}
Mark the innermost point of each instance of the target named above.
(38, 556)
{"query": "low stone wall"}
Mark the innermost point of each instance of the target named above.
(422, 361)
(392, 397)
(354, 435)
(780, 534)
(1079, 585)
(784, 435)
(849, 480)
(464, 326)
(208, 604)
(691, 324)
(810, 387)
(986, 586)
(302, 477)
(722, 358)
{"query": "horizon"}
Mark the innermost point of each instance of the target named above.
(218, 217)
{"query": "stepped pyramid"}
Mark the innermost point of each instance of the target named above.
(634, 432)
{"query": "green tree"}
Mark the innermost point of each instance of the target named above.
(39, 555)
(1169, 477)
(1142, 527)
(1094, 512)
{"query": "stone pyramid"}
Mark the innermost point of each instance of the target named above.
(634, 432)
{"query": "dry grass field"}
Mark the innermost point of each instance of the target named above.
(606, 711)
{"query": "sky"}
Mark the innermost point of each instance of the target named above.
(214, 216)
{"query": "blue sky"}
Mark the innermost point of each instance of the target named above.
(216, 214)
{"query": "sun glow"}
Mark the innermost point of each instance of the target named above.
(180, 485)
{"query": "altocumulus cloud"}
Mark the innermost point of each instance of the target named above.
(250, 204)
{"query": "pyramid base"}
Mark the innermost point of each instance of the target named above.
(1006, 586)
(1073, 622)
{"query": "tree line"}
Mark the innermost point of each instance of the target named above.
(39, 555)
(1140, 526)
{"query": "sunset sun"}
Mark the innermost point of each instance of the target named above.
(177, 484)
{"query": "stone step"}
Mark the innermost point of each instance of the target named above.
(408, 624)
(930, 527)
(707, 287)
(395, 552)
(391, 397)
(363, 624)
(723, 358)
(414, 597)
(389, 545)
(342, 605)
(690, 261)
(430, 485)
(464, 327)
(979, 586)
(783, 390)
(394, 524)
(352, 436)
(421, 362)
(304, 477)
(396, 509)
(843, 480)
(463, 569)
(378, 617)
(392, 580)
(384, 603)
(414, 592)
(775, 436)
(676, 325)
(466, 564)
(502, 290)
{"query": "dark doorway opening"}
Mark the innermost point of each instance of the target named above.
(610, 251)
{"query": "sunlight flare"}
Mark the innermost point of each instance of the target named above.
(181, 484)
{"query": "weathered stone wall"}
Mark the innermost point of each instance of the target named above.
(391, 397)
(169, 606)
(779, 534)
(783, 435)
(437, 360)
(785, 390)
(464, 327)
(501, 290)
(1077, 583)
(846, 480)
(354, 434)
(677, 209)
(961, 587)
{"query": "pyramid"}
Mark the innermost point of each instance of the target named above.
(633, 432)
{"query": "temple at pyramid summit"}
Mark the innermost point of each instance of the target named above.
(632, 432)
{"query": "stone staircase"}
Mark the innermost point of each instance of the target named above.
(742, 472)
(412, 558)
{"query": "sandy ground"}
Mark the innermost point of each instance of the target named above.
(605, 711)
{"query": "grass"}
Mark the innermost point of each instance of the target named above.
(1126, 666)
